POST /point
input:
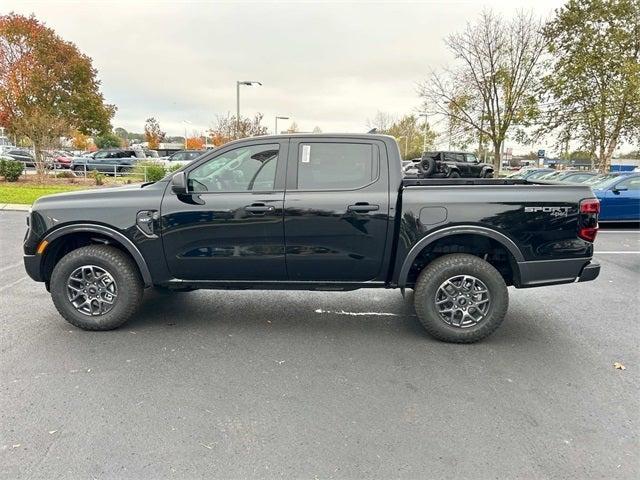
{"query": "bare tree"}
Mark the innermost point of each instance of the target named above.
(492, 86)
(382, 121)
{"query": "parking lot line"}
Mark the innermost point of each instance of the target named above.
(621, 252)
(9, 285)
(9, 267)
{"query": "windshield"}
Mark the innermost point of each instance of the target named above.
(602, 181)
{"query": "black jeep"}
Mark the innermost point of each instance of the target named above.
(441, 164)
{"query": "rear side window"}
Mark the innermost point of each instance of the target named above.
(336, 166)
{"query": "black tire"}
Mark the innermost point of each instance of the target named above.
(488, 174)
(123, 271)
(454, 174)
(449, 266)
(426, 166)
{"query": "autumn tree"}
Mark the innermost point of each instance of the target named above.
(194, 143)
(80, 141)
(592, 92)
(492, 86)
(48, 88)
(153, 134)
(410, 134)
(225, 128)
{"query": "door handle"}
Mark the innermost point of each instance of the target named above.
(363, 207)
(259, 208)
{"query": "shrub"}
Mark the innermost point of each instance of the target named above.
(154, 171)
(97, 176)
(173, 168)
(11, 170)
(65, 175)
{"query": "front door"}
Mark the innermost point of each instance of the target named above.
(336, 210)
(230, 224)
(624, 200)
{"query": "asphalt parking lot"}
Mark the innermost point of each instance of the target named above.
(322, 385)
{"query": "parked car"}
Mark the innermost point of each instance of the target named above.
(59, 159)
(21, 155)
(619, 197)
(112, 160)
(182, 157)
(569, 176)
(530, 173)
(441, 164)
(312, 212)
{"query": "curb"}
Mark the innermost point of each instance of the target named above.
(15, 207)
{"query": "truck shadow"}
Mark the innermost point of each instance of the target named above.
(314, 313)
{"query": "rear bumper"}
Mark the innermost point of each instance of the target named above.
(589, 272)
(553, 272)
(32, 266)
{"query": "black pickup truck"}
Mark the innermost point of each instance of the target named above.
(312, 212)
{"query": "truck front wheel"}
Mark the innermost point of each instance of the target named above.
(97, 287)
(460, 298)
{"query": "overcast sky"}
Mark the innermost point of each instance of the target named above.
(326, 64)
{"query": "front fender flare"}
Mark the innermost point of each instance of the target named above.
(111, 233)
(455, 230)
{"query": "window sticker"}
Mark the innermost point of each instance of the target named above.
(306, 153)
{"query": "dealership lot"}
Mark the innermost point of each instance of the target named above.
(329, 385)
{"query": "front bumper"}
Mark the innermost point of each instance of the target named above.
(32, 266)
(553, 272)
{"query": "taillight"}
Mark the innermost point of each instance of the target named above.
(588, 219)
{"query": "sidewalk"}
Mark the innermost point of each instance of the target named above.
(15, 206)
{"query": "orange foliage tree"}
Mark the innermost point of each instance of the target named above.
(153, 134)
(48, 88)
(194, 143)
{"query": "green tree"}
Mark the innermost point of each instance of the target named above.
(107, 140)
(492, 86)
(593, 88)
(410, 132)
(48, 88)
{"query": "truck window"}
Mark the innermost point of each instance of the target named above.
(470, 158)
(238, 170)
(336, 166)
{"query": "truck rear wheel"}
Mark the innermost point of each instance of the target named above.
(460, 298)
(97, 287)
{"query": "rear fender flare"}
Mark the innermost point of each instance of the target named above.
(111, 233)
(505, 241)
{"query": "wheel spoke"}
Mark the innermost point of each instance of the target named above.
(92, 290)
(462, 301)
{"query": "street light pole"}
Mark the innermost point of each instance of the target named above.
(185, 122)
(238, 83)
(426, 126)
(275, 132)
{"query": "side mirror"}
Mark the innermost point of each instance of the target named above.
(617, 190)
(179, 183)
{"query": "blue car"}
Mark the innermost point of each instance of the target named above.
(619, 196)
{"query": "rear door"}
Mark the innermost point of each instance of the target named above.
(336, 209)
(230, 224)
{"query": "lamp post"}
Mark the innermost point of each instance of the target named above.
(185, 122)
(275, 132)
(405, 144)
(238, 83)
(426, 126)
